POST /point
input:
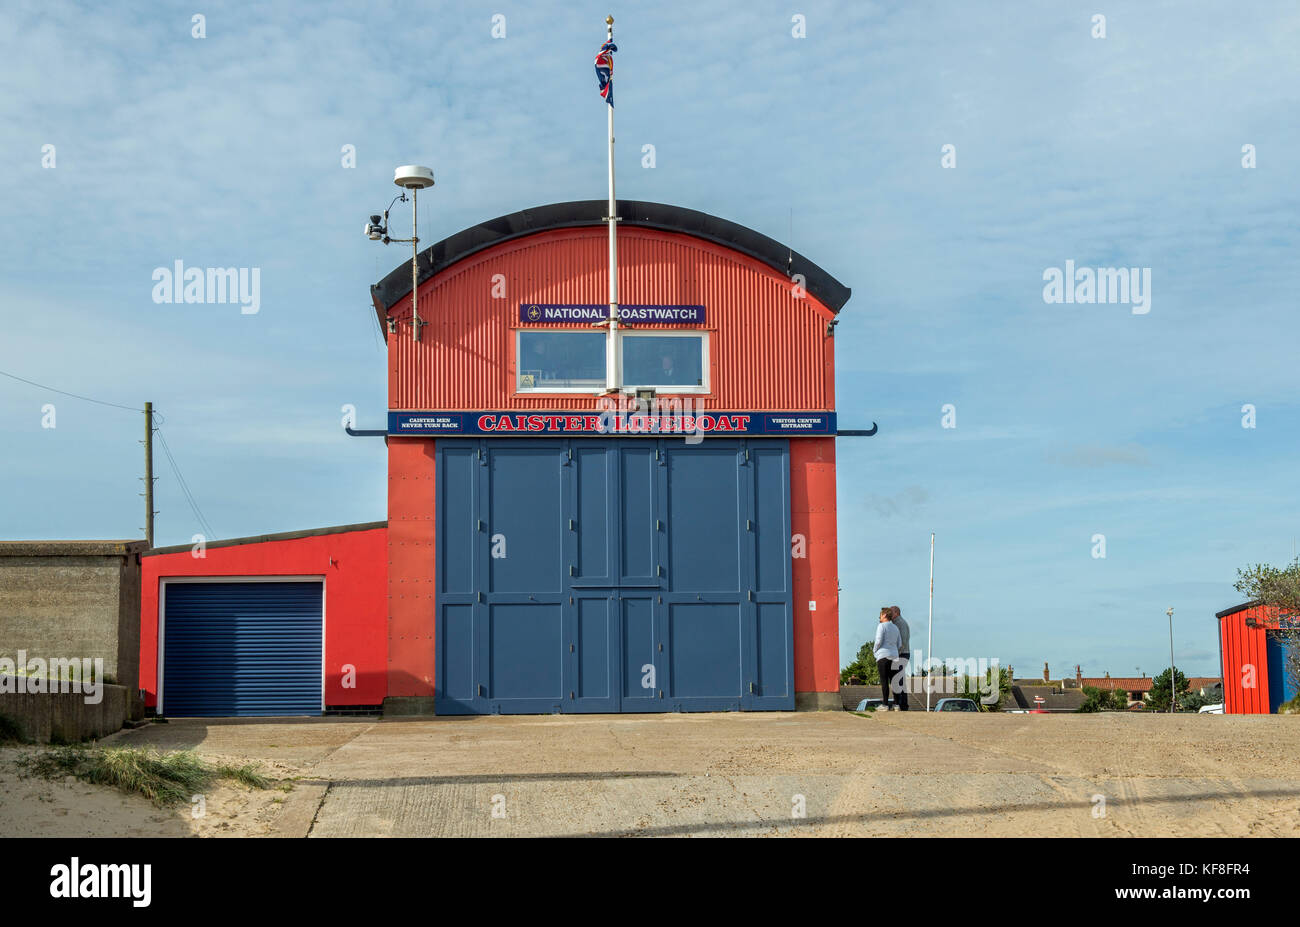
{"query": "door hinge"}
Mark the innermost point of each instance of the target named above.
(572, 524)
(478, 524)
(659, 525)
(480, 689)
(661, 646)
(481, 597)
(570, 695)
(751, 595)
(659, 571)
(572, 571)
(571, 647)
(749, 525)
(661, 693)
(753, 688)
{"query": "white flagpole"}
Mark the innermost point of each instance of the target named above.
(929, 632)
(612, 373)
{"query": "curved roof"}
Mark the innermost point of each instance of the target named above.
(580, 213)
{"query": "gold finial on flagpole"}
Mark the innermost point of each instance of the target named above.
(609, 26)
(609, 20)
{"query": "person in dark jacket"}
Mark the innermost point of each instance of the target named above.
(904, 652)
(885, 650)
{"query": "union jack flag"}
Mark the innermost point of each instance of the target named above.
(605, 70)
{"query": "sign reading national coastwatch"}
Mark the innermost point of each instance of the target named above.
(544, 313)
(599, 424)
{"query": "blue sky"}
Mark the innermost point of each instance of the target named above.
(1072, 420)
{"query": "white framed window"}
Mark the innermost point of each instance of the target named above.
(574, 360)
(666, 361)
(559, 361)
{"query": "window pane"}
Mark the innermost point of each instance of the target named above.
(561, 360)
(656, 360)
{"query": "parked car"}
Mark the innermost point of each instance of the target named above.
(867, 704)
(1211, 709)
(956, 704)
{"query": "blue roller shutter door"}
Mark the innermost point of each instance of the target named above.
(242, 648)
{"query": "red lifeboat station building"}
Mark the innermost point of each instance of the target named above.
(554, 543)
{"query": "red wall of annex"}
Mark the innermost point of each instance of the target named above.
(353, 564)
(768, 349)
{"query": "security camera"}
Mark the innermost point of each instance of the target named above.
(375, 229)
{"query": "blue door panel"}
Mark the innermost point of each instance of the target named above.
(638, 563)
(242, 649)
(771, 480)
(773, 658)
(632, 575)
(592, 676)
(703, 488)
(456, 519)
(704, 651)
(527, 535)
(455, 668)
(639, 664)
(594, 517)
(525, 652)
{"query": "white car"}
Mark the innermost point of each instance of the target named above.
(1211, 709)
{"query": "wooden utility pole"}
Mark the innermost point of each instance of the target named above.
(148, 474)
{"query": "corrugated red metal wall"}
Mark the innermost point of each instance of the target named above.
(768, 350)
(1243, 637)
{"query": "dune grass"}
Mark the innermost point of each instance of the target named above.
(163, 778)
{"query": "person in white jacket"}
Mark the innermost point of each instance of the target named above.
(886, 652)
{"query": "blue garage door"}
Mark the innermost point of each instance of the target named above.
(242, 648)
(613, 575)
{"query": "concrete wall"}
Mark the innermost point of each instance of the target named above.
(73, 599)
(65, 717)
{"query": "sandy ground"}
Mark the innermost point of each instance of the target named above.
(822, 774)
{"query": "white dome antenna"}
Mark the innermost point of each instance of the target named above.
(413, 177)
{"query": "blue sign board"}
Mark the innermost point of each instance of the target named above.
(603, 424)
(543, 313)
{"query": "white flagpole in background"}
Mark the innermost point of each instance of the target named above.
(929, 633)
(612, 372)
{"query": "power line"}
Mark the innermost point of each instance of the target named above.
(158, 419)
(185, 488)
(66, 393)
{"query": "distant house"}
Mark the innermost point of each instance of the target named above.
(1138, 687)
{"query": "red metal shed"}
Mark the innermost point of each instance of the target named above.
(1243, 642)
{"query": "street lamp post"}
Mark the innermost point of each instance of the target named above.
(1172, 698)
